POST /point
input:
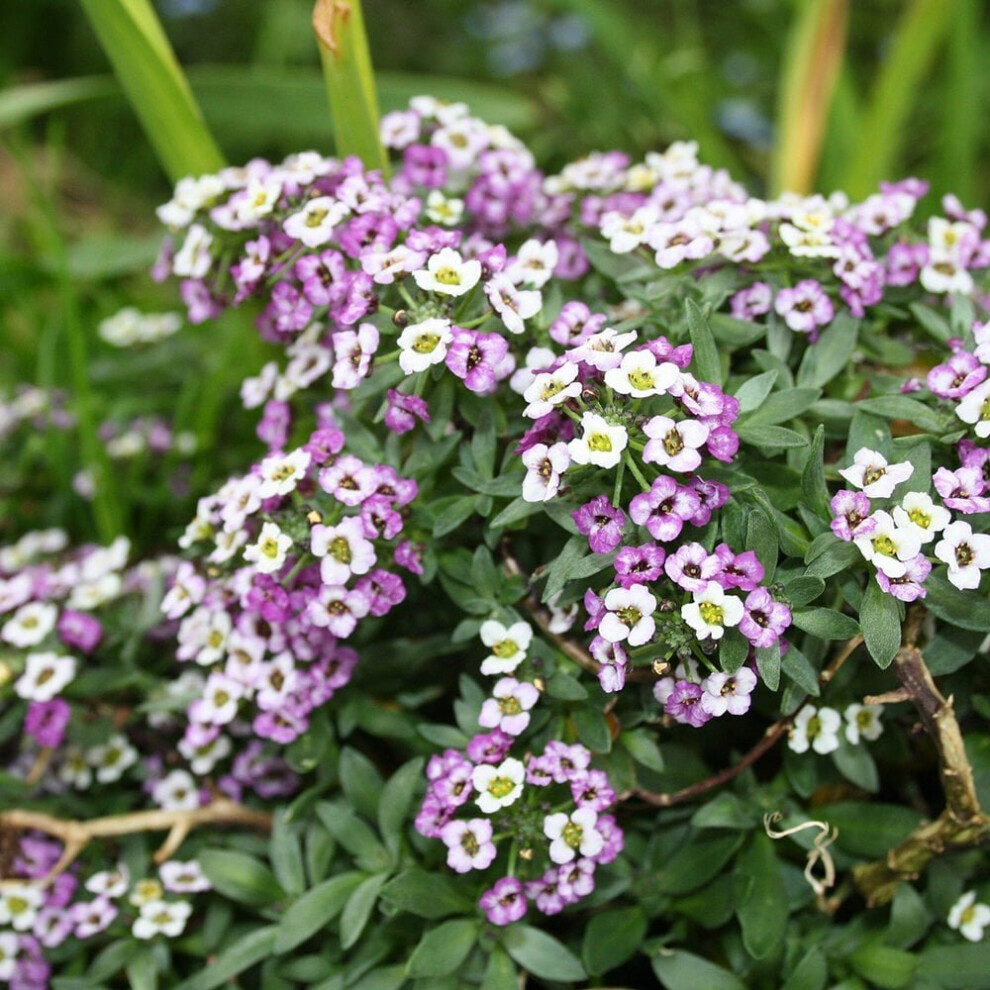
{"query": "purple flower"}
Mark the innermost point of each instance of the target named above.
(410, 556)
(323, 278)
(402, 411)
(273, 429)
(566, 762)
(80, 630)
(489, 747)
(691, 567)
(324, 444)
(576, 880)
(338, 609)
(601, 522)
(664, 508)
(712, 495)
(904, 262)
(723, 443)
(508, 708)
(805, 308)
(739, 570)
(505, 902)
(382, 589)
(639, 565)
(957, 377)
(46, 721)
(684, 705)
(765, 619)
(910, 586)
(852, 515)
(425, 165)
(592, 790)
(728, 692)
(755, 300)
(479, 359)
(614, 838)
(575, 324)
(614, 663)
(433, 815)
(962, 489)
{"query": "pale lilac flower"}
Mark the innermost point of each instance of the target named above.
(683, 704)
(478, 359)
(805, 308)
(691, 567)
(353, 350)
(674, 445)
(505, 902)
(764, 619)
(852, 515)
(664, 508)
(962, 489)
(592, 790)
(89, 918)
(639, 565)
(602, 350)
(338, 610)
(755, 300)
(514, 306)
(469, 844)
(730, 693)
(909, 587)
(957, 377)
(508, 708)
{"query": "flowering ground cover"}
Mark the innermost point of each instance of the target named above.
(603, 601)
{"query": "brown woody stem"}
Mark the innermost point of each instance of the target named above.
(75, 836)
(963, 822)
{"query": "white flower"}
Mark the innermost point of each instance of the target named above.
(863, 721)
(534, 263)
(969, 917)
(946, 275)
(712, 611)
(193, 259)
(112, 758)
(537, 359)
(600, 442)
(268, 553)
(280, 473)
(440, 209)
(176, 792)
(572, 834)
(258, 199)
(674, 445)
(218, 705)
(19, 905)
(202, 759)
(384, 266)
(88, 595)
(630, 615)
(639, 375)
(30, 624)
(871, 472)
(448, 273)
(808, 243)
(627, 233)
(45, 674)
(423, 344)
(162, 918)
(513, 305)
(498, 787)
(967, 554)
(817, 728)
(344, 548)
(974, 408)
(110, 883)
(888, 546)
(9, 950)
(145, 892)
(550, 388)
(603, 350)
(314, 224)
(75, 771)
(183, 878)
(508, 645)
(544, 467)
(918, 512)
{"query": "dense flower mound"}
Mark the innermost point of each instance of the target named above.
(626, 421)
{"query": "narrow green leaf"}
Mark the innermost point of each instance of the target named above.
(768, 664)
(133, 40)
(358, 909)
(240, 877)
(825, 623)
(428, 895)
(827, 358)
(856, 764)
(360, 781)
(346, 60)
(285, 851)
(678, 970)
(706, 364)
(813, 477)
(884, 966)
(541, 954)
(354, 834)
(763, 910)
(880, 618)
(242, 955)
(611, 938)
(500, 973)
(771, 437)
(754, 390)
(396, 800)
(962, 608)
(315, 910)
(442, 949)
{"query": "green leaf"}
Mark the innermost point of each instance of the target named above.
(826, 359)
(754, 390)
(240, 877)
(803, 589)
(856, 764)
(573, 562)
(762, 910)
(956, 967)
(679, 970)
(360, 781)
(242, 955)
(132, 38)
(350, 80)
(811, 973)
(869, 828)
(358, 909)
(705, 363)
(830, 556)
(483, 444)
(903, 407)
(783, 406)
(768, 664)
(968, 609)
(909, 918)
(500, 973)
(799, 669)
(880, 619)
(566, 688)
(726, 810)
(697, 861)
(315, 910)
(355, 836)
(884, 966)
(285, 852)
(396, 800)
(642, 747)
(592, 729)
(733, 648)
(825, 623)
(770, 437)
(813, 477)
(455, 514)
(542, 955)
(428, 895)
(442, 949)
(761, 537)
(611, 938)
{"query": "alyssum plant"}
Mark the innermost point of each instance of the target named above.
(579, 494)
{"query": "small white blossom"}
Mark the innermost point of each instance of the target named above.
(969, 917)
(863, 721)
(639, 375)
(45, 674)
(544, 468)
(889, 547)
(550, 388)
(508, 645)
(110, 883)
(534, 263)
(424, 344)
(183, 878)
(974, 408)
(448, 273)
(967, 554)
(441, 209)
(712, 611)
(871, 472)
(917, 511)
(30, 624)
(269, 552)
(600, 443)
(112, 758)
(815, 728)
(513, 305)
(573, 835)
(176, 792)
(629, 616)
(314, 224)
(162, 918)
(19, 905)
(281, 473)
(674, 445)
(193, 259)
(498, 787)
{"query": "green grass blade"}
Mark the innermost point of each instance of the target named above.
(133, 40)
(19, 104)
(343, 44)
(810, 71)
(922, 28)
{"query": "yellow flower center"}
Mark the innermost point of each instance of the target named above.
(711, 613)
(600, 443)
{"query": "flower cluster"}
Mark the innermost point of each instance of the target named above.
(818, 728)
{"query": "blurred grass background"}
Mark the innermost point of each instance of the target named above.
(818, 94)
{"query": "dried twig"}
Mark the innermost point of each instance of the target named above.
(75, 836)
(819, 853)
